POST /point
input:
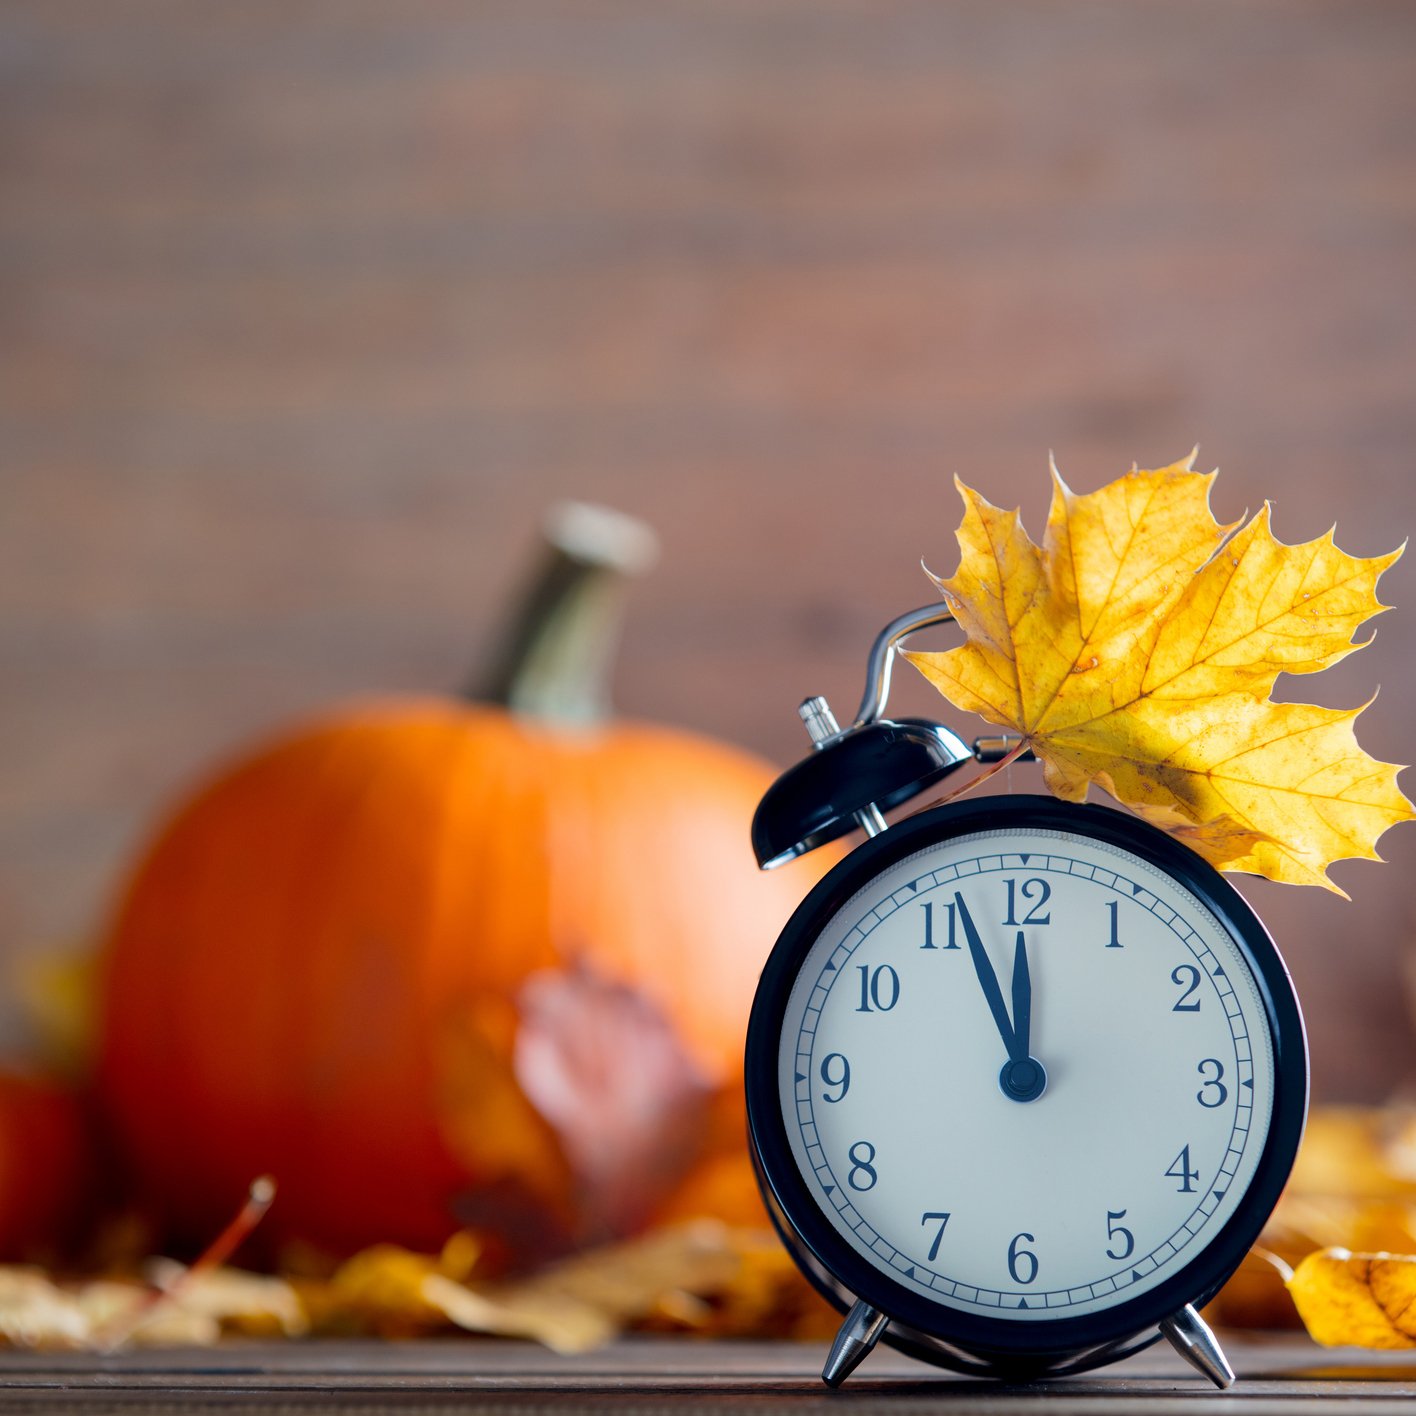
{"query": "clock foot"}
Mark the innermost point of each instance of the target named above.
(859, 1333)
(1189, 1334)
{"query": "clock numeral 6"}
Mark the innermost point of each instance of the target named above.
(1187, 976)
(862, 1165)
(1018, 1256)
(1120, 1232)
(1038, 891)
(1221, 1091)
(943, 1219)
(1180, 1170)
(842, 1079)
(879, 988)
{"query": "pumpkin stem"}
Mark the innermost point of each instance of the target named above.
(554, 662)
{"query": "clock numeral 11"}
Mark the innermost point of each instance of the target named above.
(928, 907)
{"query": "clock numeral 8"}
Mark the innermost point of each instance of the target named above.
(862, 1165)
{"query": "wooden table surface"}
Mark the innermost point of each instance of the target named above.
(652, 1375)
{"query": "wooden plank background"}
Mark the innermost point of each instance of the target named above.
(307, 310)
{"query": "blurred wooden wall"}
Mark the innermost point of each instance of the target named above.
(307, 310)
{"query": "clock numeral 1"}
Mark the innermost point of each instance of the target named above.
(842, 1078)
(879, 989)
(943, 1219)
(862, 1165)
(1036, 890)
(1018, 1256)
(1180, 1170)
(1115, 907)
(928, 907)
(1120, 1232)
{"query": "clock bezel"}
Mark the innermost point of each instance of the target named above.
(790, 1199)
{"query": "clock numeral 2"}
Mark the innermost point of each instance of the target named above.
(1180, 1170)
(1119, 1231)
(862, 1164)
(1187, 976)
(1035, 889)
(928, 907)
(879, 989)
(842, 1080)
(943, 1219)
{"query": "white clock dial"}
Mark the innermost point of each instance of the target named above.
(1105, 996)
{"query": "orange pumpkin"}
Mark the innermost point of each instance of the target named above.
(44, 1166)
(434, 964)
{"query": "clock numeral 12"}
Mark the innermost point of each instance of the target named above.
(928, 907)
(1036, 890)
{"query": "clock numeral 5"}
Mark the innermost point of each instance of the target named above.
(1036, 890)
(842, 1080)
(1119, 1231)
(943, 1219)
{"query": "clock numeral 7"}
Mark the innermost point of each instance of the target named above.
(943, 1219)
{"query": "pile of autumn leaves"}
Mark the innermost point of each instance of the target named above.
(1134, 650)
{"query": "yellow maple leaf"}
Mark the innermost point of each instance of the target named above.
(1358, 1300)
(1136, 649)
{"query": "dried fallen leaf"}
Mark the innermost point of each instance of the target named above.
(1136, 649)
(1358, 1300)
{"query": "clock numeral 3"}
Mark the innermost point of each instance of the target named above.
(842, 1079)
(1180, 1170)
(1018, 1256)
(1221, 1091)
(1036, 890)
(943, 1219)
(862, 1165)
(1120, 1232)
(879, 989)
(1187, 976)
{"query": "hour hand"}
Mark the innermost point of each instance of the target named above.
(988, 980)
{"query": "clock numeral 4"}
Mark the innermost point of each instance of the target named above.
(862, 1165)
(928, 1217)
(928, 907)
(1180, 1170)
(1018, 1256)
(842, 1078)
(1120, 1233)
(879, 988)
(1035, 890)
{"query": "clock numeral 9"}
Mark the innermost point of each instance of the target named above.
(1018, 1256)
(1187, 976)
(943, 1219)
(1215, 1081)
(842, 1079)
(1036, 890)
(1180, 1170)
(862, 1165)
(879, 989)
(1119, 1231)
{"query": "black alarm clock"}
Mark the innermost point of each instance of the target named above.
(1024, 1078)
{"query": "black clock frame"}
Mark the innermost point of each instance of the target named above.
(1037, 1344)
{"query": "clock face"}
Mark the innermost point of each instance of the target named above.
(1025, 1073)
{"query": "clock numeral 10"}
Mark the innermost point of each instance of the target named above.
(879, 988)
(1180, 1170)
(928, 907)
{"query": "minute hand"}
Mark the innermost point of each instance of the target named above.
(988, 980)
